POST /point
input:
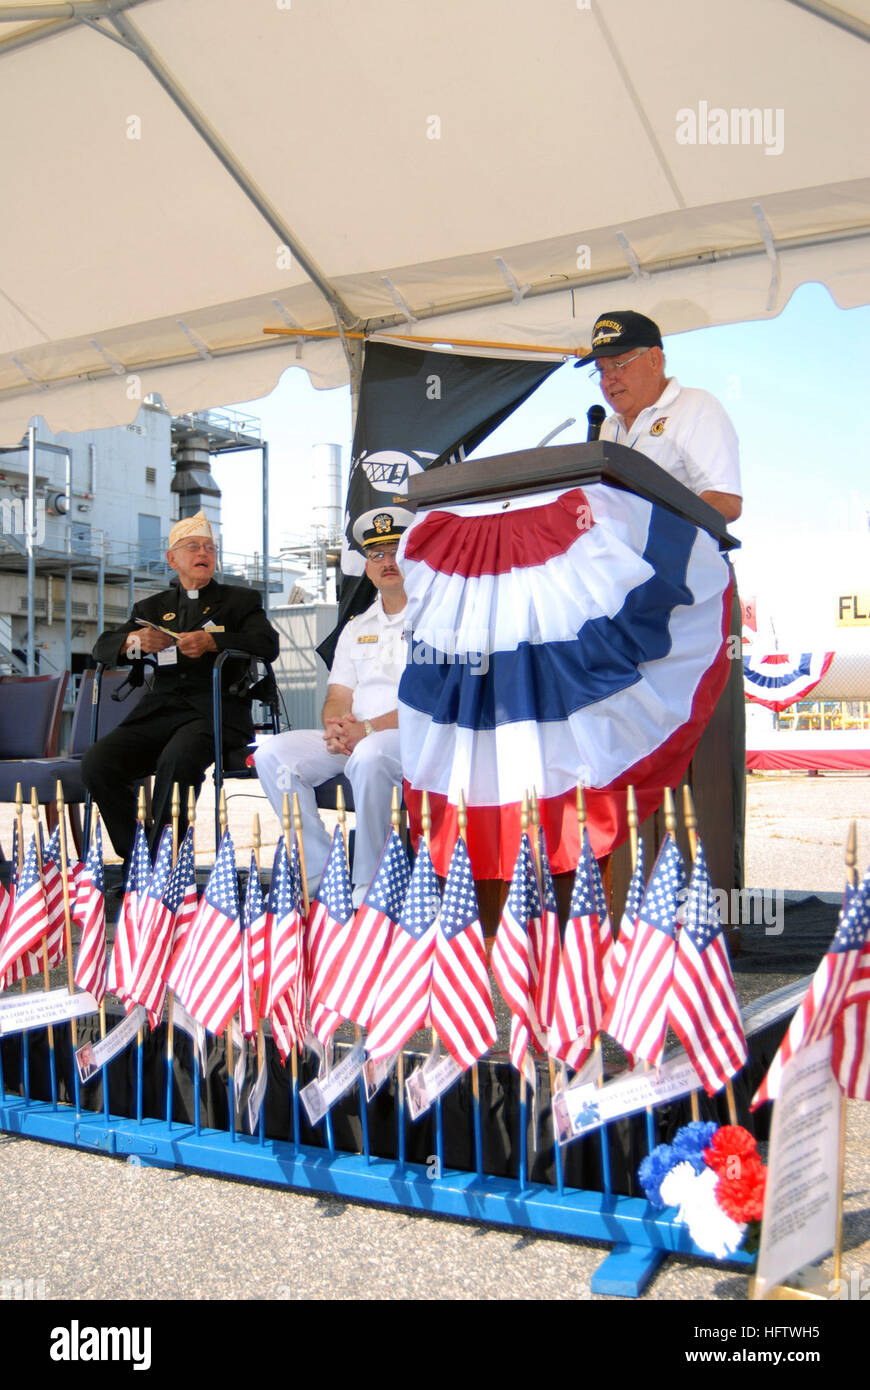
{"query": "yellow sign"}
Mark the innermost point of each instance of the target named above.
(853, 610)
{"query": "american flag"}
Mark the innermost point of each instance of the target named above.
(258, 936)
(513, 964)
(90, 918)
(127, 926)
(618, 955)
(28, 921)
(704, 1012)
(546, 942)
(253, 919)
(850, 1057)
(402, 1004)
(282, 992)
(52, 883)
(461, 1000)
(352, 985)
(28, 963)
(580, 987)
(830, 992)
(207, 974)
(151, 914)
(637, 1016)
(169, 909)
(286, 1031)
(328, 923)
(605, 928)
(9, 894)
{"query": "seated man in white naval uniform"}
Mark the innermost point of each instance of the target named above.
(685, 431)
(360, 735)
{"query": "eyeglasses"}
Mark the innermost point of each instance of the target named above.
(611, 368)
(387, 552)
(191, 546)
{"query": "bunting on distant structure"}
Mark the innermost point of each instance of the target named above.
(569, 632)
(779, 680)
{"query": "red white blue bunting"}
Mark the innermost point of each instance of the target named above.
(573, 635)
(780, 680)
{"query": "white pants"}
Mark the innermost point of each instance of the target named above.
(299, 762)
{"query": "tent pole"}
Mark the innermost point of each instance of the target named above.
(31, 534)
(353, 351)
(833, 14)
(264, 459)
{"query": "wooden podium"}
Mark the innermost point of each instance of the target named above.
(716, 773)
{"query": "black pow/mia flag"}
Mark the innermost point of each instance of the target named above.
(418, 410)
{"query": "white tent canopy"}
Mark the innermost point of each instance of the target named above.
(179, 174)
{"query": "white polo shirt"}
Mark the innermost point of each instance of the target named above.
(689, 434)
(370, 658)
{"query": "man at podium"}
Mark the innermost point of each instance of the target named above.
(685, 431)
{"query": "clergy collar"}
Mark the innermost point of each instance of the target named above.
(192, 594)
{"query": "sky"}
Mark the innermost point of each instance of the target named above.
(794, 386)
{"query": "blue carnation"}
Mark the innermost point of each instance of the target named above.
(653, 1171)
(691, 1141)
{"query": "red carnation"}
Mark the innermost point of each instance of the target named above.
(742, 1198)
(733, 1149)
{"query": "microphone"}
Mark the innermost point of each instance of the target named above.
(595, 415)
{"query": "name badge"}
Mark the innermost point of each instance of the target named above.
(168, 657)
(370, 637)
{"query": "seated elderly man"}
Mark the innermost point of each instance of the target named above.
(360, 735)
(170, 733)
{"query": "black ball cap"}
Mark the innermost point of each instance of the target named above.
(620, 331)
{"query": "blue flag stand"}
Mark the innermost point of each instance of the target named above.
(640, 1234)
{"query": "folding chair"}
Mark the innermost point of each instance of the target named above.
(30, 710)
(232, 763)
(94, 715)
